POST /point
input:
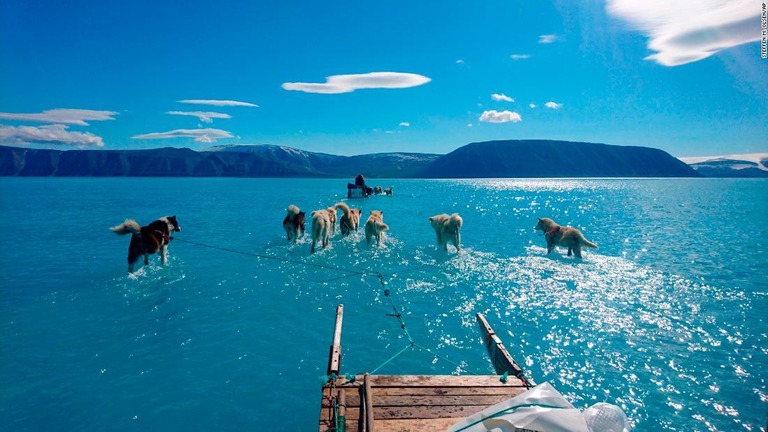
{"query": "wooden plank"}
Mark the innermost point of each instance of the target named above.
(448, 391)
(434, 381)
(406, 425)
(423, 412)
(369, 415)
(502, 361)
(415, 401)
(334, 359)
(416, 425)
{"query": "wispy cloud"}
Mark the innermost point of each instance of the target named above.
(532, 105)
(200, 135)
(62, 116)
(220, 103)
(204, 116)
(685, 31)
(501, 97)
(547, 38)
(405, 124)
(553, 105)
(349, 83)
(459, 61)
(520, 56)
(56, 134)
(494, 116)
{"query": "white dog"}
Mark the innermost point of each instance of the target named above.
(321, 228)
(375, 227)
(448, 229)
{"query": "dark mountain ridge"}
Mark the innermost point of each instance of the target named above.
(518, 158)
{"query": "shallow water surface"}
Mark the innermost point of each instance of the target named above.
(665, 319)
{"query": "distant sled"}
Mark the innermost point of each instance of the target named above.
(358, 189)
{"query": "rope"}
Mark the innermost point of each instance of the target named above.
(350, 272)
(286, 260)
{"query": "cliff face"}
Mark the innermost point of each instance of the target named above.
(528, 158)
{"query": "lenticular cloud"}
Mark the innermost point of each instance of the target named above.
(493, 116)
(686, 31)
(56, 134)
(200, 135)
(349, 83)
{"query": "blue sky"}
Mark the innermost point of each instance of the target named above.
(363, 77)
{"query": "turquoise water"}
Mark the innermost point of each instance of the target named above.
(666, 319)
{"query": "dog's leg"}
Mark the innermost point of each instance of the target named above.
(146, 259)
(576, 251)
(312, 250)
(570, 249)
(164, 254)
(458, 241)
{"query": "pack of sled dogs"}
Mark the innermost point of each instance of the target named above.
(155, 237)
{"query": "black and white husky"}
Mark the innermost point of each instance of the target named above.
(147, 240)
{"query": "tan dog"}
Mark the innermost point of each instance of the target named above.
(375, 226)
(448, 229)
(332, 217)
(321, 229)
(350, 219)
(293, 224)
(557, 235)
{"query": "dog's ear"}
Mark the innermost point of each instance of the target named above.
(539, 219)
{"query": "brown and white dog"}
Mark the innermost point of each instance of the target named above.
(448, 229)
(350, 219)
(321, 228)
(147, 240)
(564, 236)
(375, 227)
(294, 222)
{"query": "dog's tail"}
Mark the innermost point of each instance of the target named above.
(586, 242)
(455, 222)
(129, 226)
(344, 208)
(293, 210)
(381, 226)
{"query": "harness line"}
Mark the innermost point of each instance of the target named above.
(350, 272)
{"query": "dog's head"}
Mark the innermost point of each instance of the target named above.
(545, 224)
(173, 224)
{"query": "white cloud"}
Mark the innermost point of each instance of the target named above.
(204, 116)
(553, 105)
(200, 135)
(532, 105)
(459, 61)
(56, 134)
(501, 97)
(520, 56)
(349, 83)
(62, 116)
(685, 31)
(405, 124)
(216, 102)
(494, 116)
(547, 38)
(470, 125)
